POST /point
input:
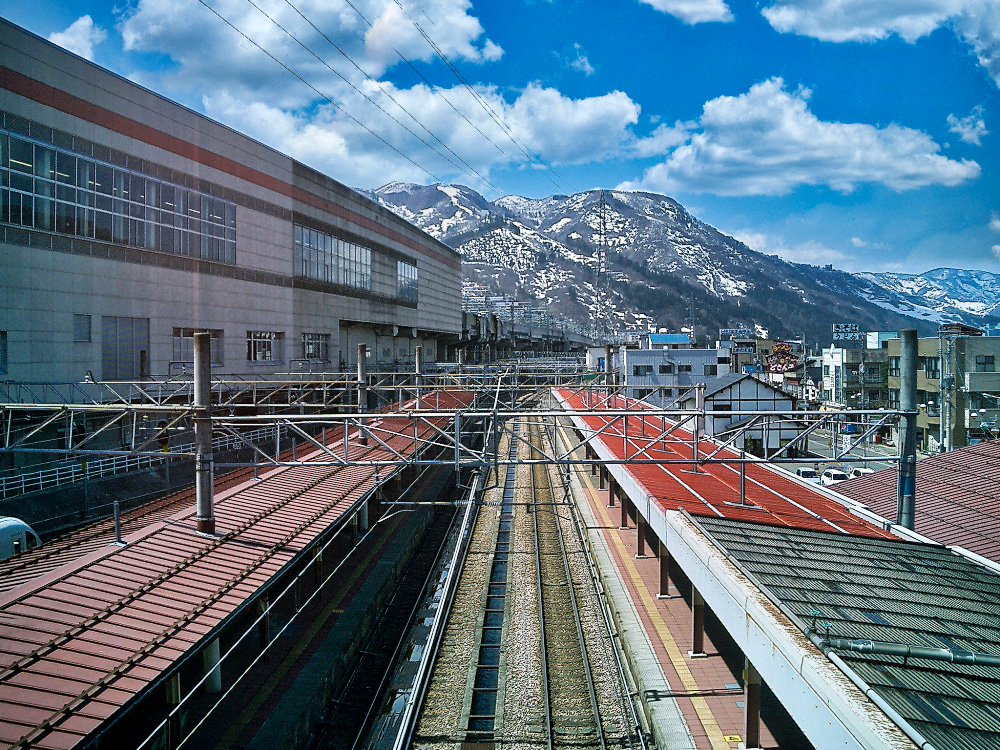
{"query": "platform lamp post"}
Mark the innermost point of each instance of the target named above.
(205, 517)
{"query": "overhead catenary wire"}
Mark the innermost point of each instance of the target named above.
(504, 128)
(326, 98)
(464, 167)
(433, 88)
(479, 98)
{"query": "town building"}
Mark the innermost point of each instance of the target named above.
(127, 222)
(958, 386)
(856, 378)
(746, 392)
(662, 374)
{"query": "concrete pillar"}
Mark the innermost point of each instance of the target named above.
(663, 554)
(210, 662)
(205, 515)
(697, 624)
(603, 480)
(624, 504)
(640, 536)
(363, 517)
(751, 706)
(906, 485)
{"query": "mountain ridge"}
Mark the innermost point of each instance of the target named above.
(663, 263)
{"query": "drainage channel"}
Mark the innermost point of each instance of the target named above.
(483, 710)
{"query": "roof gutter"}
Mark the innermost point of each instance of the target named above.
(955, 656)
(819, 641)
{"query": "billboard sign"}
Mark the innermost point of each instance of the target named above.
(847, 332)
(736, 333)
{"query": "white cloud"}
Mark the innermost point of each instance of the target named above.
(80, 37)
(767, 142)
(976, 22)
(995, 221)
(581, 62)
(693, 11)
(211, 55)
(237, 84)
(663, 140)
(811, 252)
(970, 129)
(858, 242)
(559, 129)
(996, 251)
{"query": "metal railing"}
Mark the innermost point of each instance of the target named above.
(70, 472)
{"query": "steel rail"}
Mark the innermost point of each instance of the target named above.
(570, 590)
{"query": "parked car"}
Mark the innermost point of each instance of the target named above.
(860, 471)
(810, 475)
(832, 476)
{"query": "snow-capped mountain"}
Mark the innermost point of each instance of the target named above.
(664, 266)
(943, 295)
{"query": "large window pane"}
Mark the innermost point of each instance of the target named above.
(44, 214)
(65, 168)
(20, 156)
(45, 162)
(103, 179)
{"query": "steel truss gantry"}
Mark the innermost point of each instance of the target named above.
(326, 430)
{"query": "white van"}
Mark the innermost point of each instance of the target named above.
(16, 537)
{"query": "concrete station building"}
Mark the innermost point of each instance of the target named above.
(128, 221)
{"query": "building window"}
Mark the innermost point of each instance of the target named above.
(265, 346)
(667, 392)
(323, 257)
(894, 398)
(931, 366)
(183, 348)
(667, 369)
(81, 329)
(641, 371)
(985, 363)
(894, 367)
(683, 368)
(826, 369)
(711, 369)
(3, 352)
(641, 393)
(56, 191)
(406, 281)
(316, 346)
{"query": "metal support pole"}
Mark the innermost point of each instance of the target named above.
(205, 517)
(602, 482)
(905, 488)
(751, 705)
(697, 624)
(362, 389)
(743, 479)
(118, 523)
(608, 353)
(418, 374)
(624, 501)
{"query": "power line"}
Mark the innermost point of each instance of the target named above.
(433, 88)
(469, 169)
(321, 94)
(478, 97)
(470, 172)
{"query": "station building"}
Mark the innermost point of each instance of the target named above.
(128, 221)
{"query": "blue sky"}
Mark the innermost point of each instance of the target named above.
(849, 132)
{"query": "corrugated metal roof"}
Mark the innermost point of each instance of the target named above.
(893, 591)
(715, 489)
(83, 639)
(957, 497)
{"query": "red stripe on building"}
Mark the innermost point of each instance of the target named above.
(29, 88)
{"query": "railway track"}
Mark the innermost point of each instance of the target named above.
(572, 713)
